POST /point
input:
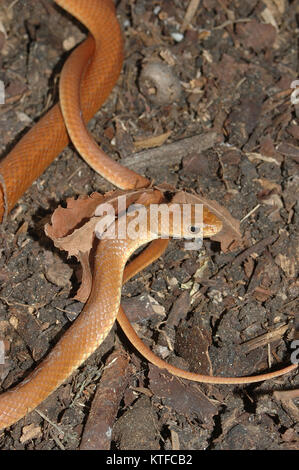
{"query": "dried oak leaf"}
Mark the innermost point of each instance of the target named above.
(65, 220)
(73, 228)
(86, 278)
(229, 236)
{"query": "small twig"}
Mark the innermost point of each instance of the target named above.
(74, 172)
(265, 338)
(98, 429)
(191, 10)
(73, 313)
(171, 154)
(34, 307)
(58, 442)
(287, 394)
(229, 22)
(12, 4)
(276, 100)
(49, 421)
(90, 379)
(175, 441)
(256, 248)
(287, 304)
(249, 213)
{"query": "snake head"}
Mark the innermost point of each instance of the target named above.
(202, 223)
(179, 220)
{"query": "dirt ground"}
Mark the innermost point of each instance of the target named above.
(229, 313)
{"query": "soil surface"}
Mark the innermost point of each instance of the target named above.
(231, 68)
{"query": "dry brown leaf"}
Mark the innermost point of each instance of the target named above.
(80, 240)
(150, 142)
(66, 229)
(86, 280)
(79, 213)
(65, 220)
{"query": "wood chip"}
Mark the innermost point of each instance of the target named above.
(264, 339)
(30, 432)
(98, 429)
(150, 142)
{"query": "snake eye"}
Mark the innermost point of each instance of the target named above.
(194, 229)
